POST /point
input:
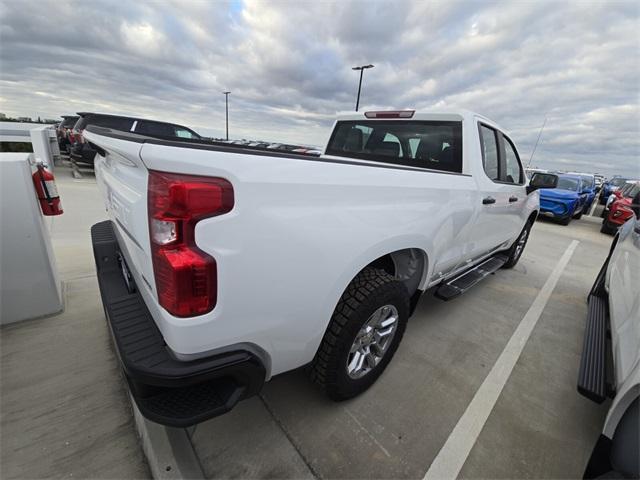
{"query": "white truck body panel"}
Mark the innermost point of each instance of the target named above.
(301, 229)
(622, 280)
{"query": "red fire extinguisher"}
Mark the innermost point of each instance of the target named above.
(46, 191)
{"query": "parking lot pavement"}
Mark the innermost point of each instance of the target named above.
(540, 427)
(65, 411)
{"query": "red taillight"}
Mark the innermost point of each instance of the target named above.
(391, 114)
(186, 277)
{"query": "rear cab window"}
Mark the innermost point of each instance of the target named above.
(434, 145)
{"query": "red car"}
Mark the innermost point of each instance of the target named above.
(620, 210)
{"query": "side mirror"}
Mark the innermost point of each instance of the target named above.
(635, 205)
(542, 180)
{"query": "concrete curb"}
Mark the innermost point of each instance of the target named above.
(169, 451)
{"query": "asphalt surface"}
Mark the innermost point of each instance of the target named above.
(65, 411)
(539, 427)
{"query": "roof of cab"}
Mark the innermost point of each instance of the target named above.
(445, 115)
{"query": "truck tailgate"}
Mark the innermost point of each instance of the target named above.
(122, 181)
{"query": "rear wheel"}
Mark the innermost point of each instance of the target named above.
(363, 334)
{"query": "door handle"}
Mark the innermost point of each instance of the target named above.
(513, 199)
(488, 200)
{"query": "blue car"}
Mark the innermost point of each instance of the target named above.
(566, 201)
(589, 188)
(609, 186)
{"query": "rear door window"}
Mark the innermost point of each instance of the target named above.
(489, 141)
(435, 145)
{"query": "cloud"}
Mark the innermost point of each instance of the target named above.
(288, 65)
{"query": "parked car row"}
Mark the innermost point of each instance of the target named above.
(619, 207)
(70, 139)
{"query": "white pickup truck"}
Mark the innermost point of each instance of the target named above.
(222, 266)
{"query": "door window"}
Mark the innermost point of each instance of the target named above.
(513, 170)
(489, 151)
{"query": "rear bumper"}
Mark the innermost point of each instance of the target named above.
(166, 390)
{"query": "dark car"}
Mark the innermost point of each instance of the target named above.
(84, 152)
(63, 130)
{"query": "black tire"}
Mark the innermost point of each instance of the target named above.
(370, 290)
(514, 253)
(606, 228)
(565, 221)
(578, 215)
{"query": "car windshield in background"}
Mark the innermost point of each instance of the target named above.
(426, 144)
(567, 183)
(618, 182)
(587, 181)
(631, 190)
(68, 122)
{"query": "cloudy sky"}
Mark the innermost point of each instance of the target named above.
(288, 65)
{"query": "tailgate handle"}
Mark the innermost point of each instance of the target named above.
(488, 200)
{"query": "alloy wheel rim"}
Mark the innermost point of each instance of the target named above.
(372, 341)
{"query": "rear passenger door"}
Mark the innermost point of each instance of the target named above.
(502, 195)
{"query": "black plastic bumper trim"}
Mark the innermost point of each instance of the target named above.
(166, 390)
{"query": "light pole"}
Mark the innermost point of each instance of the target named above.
(361, 68)
(226, 109)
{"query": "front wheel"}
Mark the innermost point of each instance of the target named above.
(363, 334)
(515, 252)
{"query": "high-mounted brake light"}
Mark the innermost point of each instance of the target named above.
(391, 114)
(186, 277)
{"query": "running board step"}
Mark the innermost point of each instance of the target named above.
(595, 363)
(464, 282)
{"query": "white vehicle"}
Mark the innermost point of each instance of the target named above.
(610, 364)
(221, 267)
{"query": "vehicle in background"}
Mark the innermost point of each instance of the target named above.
(610, 361)
(589, 188)
(63, 131)
(82, 151)
(220, 267)
(308, 151)
(599, 180)
(610, 186)
(564, 202)
(620, 209)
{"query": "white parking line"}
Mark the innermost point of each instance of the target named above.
(593, 207)
(454, 452)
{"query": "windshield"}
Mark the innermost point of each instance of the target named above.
(568, 183)
(587, 181)
(618, 182)
(436, 145)
(68, 122)
(631, 190)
